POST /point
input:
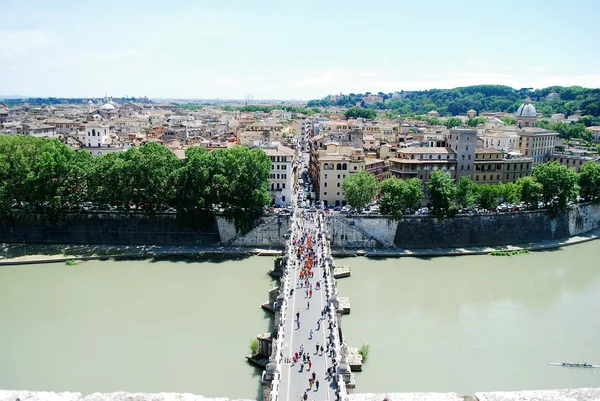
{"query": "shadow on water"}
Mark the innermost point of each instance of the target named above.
(548, 250)
(209, 258)
(257, 375)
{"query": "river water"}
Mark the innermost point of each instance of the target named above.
(476, 323)
(462, 324)
(138, 326)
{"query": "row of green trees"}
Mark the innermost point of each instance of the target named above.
(483, 98)
(46, 175)
(551, 183)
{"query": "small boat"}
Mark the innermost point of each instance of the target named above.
(574, 365)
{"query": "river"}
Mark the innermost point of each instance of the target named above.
(463, 324)
(476, 323)
(138, 326)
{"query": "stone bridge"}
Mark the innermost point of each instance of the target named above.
(307, 342)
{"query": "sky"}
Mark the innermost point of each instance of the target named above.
(285, 49)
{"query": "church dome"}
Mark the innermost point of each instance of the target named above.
(526, 109)
(107, 107)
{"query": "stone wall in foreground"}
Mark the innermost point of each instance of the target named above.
(580, 394)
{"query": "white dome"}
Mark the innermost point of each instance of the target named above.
(107, 107)
(526, 109)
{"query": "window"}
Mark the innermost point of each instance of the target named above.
(477, 178)
(283, 198)
(338, 184)
(338, 193)
(483, 177)
(325, 176)
(339, 176)
(325, 185)
(354, 167)
(277, 185)
(325, 193)
(463, 157)
(498, 176)
(469, 157)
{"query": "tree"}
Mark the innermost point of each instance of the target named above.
(359, 112)
(453, 122)
(589, 180)
(559, 184)
(242, 181)
(530, 191)
(465, 192)
(397, 196)
(508, 120)
(360, 189)
(509, 192)
(474, 122)
(442, 192)
(486, 196)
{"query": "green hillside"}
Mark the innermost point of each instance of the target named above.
(482, 98)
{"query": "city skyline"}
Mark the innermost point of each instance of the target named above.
(199, 50)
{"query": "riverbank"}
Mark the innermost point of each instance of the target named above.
(483, 250)
(17, 254)
(21, 254)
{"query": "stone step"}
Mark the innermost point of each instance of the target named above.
(344, 305)
(355, 359)
(341, 272)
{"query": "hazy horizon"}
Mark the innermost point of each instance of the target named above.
(187, 49)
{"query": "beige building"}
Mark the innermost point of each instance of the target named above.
(500, 140)
(488, 166)
(420, 162)
(536, 143)
(572, 158)
(464, 142)
(595, 133)
(262, 133)
(329, 169)
(283, 173)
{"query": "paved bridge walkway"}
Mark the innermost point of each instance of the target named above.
(305, 362)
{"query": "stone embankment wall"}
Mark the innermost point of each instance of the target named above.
(270, 231)
(580, 394)
(490, 229)
(495, 228)
(109, 228)
(363, 231)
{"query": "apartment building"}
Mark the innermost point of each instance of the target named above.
(536, 143)
(488, 166)
(329, 168)
(283, 173)
(420, 162)
(573, 158)
(464, 142)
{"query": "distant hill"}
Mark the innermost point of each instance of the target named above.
(482, 98)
